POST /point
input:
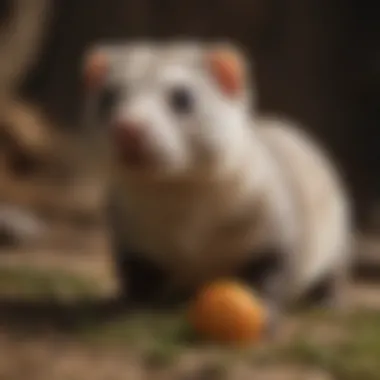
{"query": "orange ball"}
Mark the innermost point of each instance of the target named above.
(228, 312)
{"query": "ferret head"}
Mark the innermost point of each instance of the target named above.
(172, 110)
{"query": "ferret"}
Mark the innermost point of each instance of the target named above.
(202, 187)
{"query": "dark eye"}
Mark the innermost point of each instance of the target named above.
(181, 100)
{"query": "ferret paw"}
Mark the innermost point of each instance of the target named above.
(140, 282)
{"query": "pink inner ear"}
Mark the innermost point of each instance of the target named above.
(227, 70)
(95, 70)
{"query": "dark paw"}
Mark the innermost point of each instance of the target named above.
(140, 282)
(257, 272)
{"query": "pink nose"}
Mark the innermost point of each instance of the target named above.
(129, 139)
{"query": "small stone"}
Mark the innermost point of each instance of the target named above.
(18, 226)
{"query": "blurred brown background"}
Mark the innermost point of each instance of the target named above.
(316, 60)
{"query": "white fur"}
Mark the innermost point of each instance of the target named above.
(322, 207)
(216, 168)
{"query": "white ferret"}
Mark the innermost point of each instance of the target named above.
(201, 186)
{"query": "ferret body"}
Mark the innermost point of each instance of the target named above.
(211, 189)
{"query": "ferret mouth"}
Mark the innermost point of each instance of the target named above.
(133, 158)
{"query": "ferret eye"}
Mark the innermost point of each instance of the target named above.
(181, 100)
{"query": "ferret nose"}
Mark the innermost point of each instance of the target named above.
(128, 136)
(127, 131)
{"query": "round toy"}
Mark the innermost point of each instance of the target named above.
(229, 312)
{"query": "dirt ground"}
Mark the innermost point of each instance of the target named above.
(58, 321)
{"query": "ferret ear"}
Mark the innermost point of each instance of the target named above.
(95, 69)
(228, 67)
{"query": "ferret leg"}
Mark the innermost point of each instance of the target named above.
(144, 284)
(263, 275)
(332, 292)
(281, 288)
(140, 282)
(275, 302)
